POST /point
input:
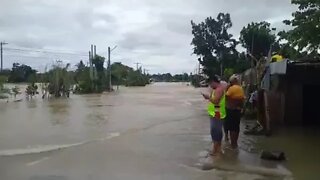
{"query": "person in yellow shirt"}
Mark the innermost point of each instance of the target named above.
(234, 103)
(277, 58)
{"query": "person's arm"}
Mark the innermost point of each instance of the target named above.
(206, 96)
(229, 91)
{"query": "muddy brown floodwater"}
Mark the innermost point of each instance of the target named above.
(156, 132)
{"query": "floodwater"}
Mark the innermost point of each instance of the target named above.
(38, 123)
(301, 146)
(155, 132)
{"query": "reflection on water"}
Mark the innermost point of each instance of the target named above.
(59, 111)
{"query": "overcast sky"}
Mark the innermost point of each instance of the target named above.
(156, 33)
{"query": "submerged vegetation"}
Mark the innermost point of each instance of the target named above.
(3, 91)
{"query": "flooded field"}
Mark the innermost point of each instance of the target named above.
(155, 132)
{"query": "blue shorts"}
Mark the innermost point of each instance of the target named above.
(216, 126)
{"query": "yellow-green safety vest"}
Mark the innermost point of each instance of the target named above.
(222, 104)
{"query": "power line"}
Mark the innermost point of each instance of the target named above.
(51, 50)
(44, 51)
(27, 56)
(13, 54)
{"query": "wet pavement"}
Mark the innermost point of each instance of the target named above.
(155, 132)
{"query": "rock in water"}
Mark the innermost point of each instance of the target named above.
(273, 155)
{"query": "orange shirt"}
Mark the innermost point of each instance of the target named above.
(235, 97)
(235, 92)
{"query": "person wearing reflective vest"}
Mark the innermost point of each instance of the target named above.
(216, 111)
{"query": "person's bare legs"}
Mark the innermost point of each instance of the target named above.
(226, 135)
(226, 138)
(217, 135)
(216, 149)
(234, 135)
(235, 127)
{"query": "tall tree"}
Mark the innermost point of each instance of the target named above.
(20, 73)
(100, 81)
(119, 73)
(213, 43)
(257, 38)
(305, 34)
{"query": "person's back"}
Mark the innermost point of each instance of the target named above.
(235, 97)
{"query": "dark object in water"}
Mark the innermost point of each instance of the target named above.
(254, 132)
(273, 155)
(257, 129)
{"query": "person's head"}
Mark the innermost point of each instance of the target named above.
(234, 79)
(214, 81)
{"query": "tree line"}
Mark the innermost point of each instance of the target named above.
(59, 79)
(168, 77)
(120, 75)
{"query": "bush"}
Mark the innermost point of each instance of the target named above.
(3, 79)
(136, 78)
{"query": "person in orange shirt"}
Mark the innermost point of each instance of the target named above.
(234, 103)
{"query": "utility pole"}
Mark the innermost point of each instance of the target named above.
(137, 65)
(109, 69)
(91, 64)
(1, 47)
(145, 71)
(109, 65)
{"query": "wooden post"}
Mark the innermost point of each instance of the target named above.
(267, 112)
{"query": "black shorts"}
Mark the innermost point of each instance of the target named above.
(232, 121)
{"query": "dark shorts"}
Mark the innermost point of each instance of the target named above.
(232, 121)
(216, 129)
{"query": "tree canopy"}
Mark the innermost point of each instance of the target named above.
(21, 73)
(215, 45)
(305, 34)
(119, 73)
(257, 38)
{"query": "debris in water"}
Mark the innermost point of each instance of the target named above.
(273, 155)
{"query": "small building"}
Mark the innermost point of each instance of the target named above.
(293, 93)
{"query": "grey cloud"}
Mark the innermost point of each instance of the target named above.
(155, 32)
(137, 40)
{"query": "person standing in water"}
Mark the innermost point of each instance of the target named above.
(234, 101)
(216, 111)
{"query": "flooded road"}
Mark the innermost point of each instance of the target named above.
(155, 132)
